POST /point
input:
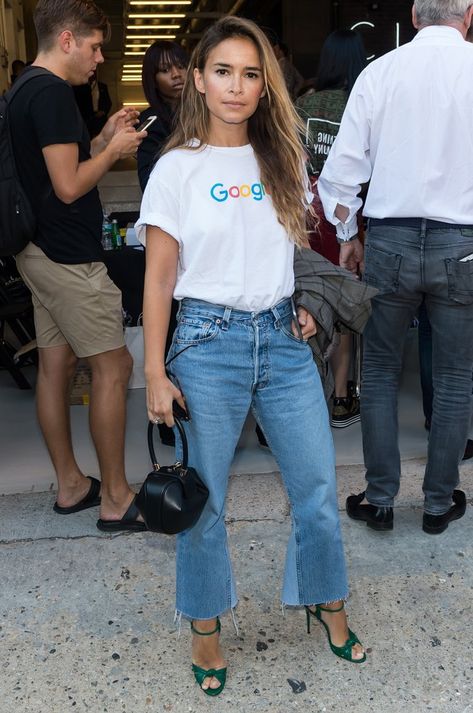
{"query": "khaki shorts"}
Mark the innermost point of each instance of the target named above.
(77, 305)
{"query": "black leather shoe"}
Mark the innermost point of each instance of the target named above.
(435, 524)
(378, 518)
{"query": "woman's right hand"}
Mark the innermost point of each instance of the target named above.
(160, 393)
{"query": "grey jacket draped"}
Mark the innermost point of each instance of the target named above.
(336, 299)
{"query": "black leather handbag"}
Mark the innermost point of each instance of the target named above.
(172, 497)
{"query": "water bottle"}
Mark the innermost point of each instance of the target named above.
(107, 238)
(116, 237)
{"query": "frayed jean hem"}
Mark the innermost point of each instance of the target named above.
(179, 615)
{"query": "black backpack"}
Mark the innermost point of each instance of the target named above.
(17, 220)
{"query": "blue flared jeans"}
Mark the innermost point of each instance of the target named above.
(228, 362)
(411, 265)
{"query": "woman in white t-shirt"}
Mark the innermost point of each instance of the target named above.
(223, 210)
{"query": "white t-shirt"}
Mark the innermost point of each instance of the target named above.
(232, 249)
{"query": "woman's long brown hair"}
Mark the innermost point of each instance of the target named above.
(274, 130)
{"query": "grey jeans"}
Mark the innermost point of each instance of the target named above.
(407, 265)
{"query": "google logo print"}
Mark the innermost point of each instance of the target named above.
(221, 194)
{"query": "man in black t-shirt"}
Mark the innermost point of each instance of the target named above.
(77, 307)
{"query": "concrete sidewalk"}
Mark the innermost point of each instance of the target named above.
(87, 619)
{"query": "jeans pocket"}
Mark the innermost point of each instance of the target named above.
(195, 330)
(460, 280)
(382, 269)
(285, 324)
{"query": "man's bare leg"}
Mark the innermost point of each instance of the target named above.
(110, 374)
(55, 373)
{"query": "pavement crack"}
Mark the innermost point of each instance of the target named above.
(57, 538)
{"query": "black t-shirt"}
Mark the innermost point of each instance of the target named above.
(44, 112)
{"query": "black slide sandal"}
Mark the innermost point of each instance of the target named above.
(129, 521)
(91, 500)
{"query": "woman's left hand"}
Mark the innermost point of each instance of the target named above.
(307, 324)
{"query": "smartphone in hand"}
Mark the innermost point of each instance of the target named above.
(147, 123)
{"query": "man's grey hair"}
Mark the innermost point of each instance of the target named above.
(440, 12)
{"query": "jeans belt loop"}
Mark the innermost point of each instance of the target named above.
(226, 318)
(277, 316)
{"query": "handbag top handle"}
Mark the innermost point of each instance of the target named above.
(182, 433)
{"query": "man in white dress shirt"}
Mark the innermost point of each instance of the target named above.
(407, 129)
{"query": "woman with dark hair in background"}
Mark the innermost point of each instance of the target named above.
(163, 75)
(342, 59)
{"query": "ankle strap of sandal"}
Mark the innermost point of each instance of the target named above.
(342, 606)
(206, 633)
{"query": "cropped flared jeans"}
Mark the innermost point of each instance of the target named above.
(227, 362)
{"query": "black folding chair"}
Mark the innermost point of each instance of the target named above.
(16, 313)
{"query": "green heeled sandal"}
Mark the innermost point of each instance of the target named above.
(201, 673)
(345, 651)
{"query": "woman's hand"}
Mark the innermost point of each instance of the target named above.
(160, 393)
(307, 324)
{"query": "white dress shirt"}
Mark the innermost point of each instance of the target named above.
(408, 129)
